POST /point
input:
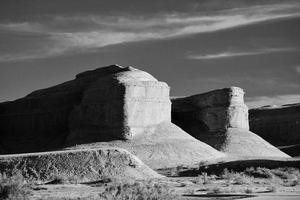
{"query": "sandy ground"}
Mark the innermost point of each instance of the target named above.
(187, 187)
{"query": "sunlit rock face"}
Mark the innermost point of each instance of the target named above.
(280, 125)
(220, 119)
(119, 107)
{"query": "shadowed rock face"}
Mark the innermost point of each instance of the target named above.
(220, 119)
(79, 165)
(278, 125)
(214, 111)
(107, 107)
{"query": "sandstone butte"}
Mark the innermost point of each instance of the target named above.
(220, 119)
(122, 107)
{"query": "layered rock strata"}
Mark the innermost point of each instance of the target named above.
(77, 165)
(119, 106)
(280, 125)
(220, 119)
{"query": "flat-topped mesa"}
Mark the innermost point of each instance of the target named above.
(220, 119)
(119, 107)
(108, 103)
(216, 110)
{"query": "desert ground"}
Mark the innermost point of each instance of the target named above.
(226, 180)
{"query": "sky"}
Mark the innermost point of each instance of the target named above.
(195, 46)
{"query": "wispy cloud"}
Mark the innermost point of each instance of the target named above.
(230, 54)
(298, 69)
(69, 34)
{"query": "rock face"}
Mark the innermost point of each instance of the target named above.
(110, 106)
(280, 125)
(81, 165)
(119, 107)
(40, 121)
(216, 110)
(220, 119)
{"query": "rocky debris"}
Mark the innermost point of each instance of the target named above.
(77, 165)
(220, 119)
(279, 125)
(110, 106)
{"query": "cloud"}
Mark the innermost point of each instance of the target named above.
(71, 34)
(230, 54)
(32, 54)
(255, 102)
(298, 69)
(22, 27)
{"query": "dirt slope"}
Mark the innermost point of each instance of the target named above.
(82, 165)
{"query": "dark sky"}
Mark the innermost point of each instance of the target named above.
(194, 46)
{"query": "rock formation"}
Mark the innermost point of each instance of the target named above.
(279, 125)
(110, 106)
(79, 165)
(40, 121)
(119, 107)
(220, 119)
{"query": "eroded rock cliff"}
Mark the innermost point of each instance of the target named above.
(40, 121)
(220, 119)
(119, 106)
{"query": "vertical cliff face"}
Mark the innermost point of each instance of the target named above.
(278, 125)
(119, 107)
(220, 119)
(215, 111)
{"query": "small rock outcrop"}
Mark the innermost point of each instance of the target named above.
(78, 165)
(220, 119)
(280, 125)
(112, 106)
